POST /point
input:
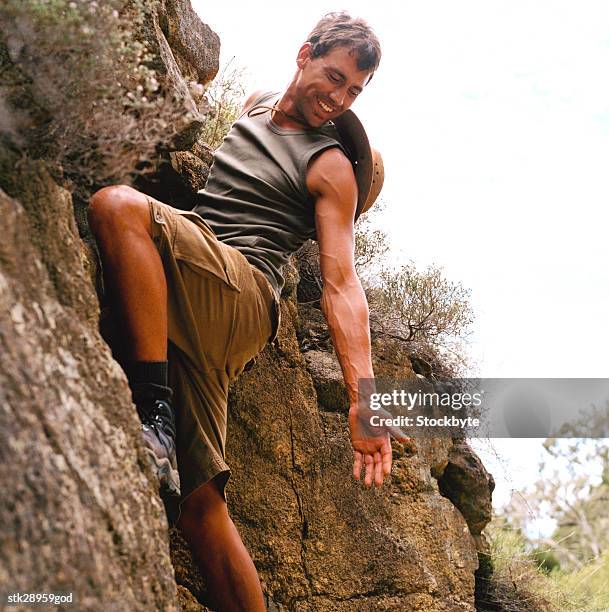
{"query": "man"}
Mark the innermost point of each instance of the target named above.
(209, 282)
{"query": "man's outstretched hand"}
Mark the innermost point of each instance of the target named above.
(371, 445)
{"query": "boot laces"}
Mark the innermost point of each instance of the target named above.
(159, 417)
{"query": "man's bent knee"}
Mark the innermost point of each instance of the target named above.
(205, 503)
(118, 205)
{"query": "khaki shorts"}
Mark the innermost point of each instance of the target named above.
(221, 313)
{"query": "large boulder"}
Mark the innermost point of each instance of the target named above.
(78, 510)
(320, 540)
(195, 46)
(468, 485)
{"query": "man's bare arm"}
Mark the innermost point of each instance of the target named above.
(331, 179)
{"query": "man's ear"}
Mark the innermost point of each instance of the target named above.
(304, 54)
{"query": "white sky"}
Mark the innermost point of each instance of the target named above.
(493, 121)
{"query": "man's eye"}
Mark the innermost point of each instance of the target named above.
(334, 78)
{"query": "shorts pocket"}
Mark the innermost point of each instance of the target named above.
(195, 243)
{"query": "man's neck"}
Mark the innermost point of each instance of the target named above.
(286, 116)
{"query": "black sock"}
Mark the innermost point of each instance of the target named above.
(154, 372)
(148, 380)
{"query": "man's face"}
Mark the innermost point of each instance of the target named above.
(327, 86)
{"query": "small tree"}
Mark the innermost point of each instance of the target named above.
(574, 558)
(414, 306)
(225, 96)
(580, 507)
(371, 242)
(422, 308)
(573, 490)
(421, 305)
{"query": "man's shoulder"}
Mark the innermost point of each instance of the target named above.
(254, 96)
(333, 161)
(331, 172)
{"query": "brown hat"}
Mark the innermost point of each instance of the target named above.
(367, 162)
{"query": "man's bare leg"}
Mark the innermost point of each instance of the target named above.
(120, 220)
(229, 572)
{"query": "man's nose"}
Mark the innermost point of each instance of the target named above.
(338, 97)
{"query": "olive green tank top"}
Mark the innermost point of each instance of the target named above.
(256, 198)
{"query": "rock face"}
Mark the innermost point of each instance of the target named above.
(78, 508)
(79, 512)
(195, 46)
(319, 540)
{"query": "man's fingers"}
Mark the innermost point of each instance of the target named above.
(369, 469)
(386, 458)
(376, 462)
(378, 469)
(357, 464)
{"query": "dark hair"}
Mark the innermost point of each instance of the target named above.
(340, 29)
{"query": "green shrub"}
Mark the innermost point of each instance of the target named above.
(86, 63)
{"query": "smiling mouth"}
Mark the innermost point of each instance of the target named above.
(324, 106)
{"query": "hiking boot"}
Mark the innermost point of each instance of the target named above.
(159, 433)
